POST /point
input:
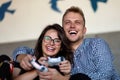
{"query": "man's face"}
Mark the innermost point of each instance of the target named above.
(73, 25)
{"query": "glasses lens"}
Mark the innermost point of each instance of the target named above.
(57, 41)
(47, 38)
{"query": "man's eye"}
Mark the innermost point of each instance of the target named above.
(78, 22)
(67, 22)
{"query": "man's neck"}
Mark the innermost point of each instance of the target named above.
(75, 45)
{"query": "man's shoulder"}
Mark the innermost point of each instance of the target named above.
(93, 39)
(24, 49)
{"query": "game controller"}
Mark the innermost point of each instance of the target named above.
(38, 66)
(55, 61)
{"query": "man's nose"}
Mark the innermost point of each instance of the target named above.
(72, 25)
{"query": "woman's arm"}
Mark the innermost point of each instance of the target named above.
(30, 75)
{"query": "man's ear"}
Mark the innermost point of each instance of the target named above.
(84, 31)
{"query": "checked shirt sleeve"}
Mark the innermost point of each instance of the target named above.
(22, 50)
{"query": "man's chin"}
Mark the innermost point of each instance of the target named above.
(73, 40)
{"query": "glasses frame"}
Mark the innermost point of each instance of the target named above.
(48, 39)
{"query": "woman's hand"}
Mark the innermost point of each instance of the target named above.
(52, 74)
(65, 67)
(43, 61)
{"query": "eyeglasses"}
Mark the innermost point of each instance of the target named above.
(48, 39)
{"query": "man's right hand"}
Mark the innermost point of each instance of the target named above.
(24, 60)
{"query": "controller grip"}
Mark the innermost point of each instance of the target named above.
(38, 66)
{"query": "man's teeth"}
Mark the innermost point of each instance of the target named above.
(72, 32)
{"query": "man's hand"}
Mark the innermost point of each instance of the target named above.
(24, 60)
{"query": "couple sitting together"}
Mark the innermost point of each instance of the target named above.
(85, 58)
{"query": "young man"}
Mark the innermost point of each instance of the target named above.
(92, 56)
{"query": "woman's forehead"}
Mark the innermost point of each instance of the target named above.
(52, 33)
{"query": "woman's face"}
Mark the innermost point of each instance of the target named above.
(51, 43)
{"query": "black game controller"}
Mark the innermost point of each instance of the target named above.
(38, 66)
(55, 61)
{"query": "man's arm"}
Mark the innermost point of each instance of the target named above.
(21, 50)
(23, 55)
(103, 61)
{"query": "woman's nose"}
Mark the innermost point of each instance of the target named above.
(52, 42)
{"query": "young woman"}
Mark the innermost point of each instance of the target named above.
(51, 43)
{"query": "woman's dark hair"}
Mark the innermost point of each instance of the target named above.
(5, 71)
(65, 51)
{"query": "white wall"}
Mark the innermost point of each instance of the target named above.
(31, 16)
